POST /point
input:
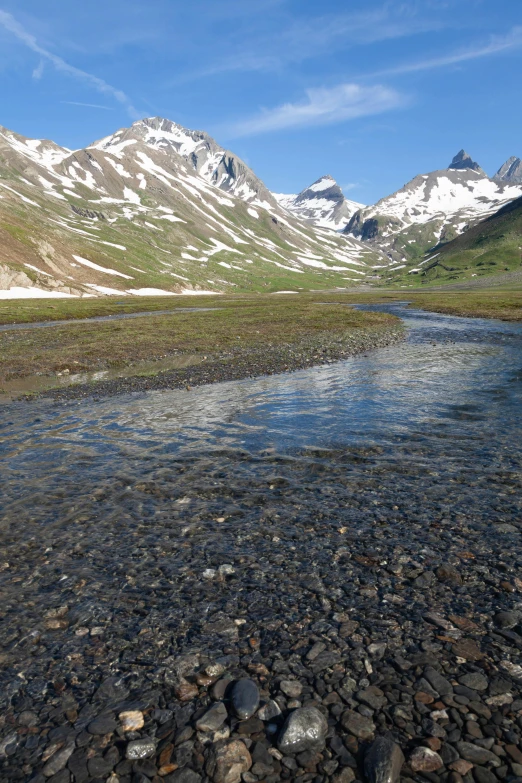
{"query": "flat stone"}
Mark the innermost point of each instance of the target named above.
(58, 761)
(226, 764)
(244, 697)
(448, 574)
(131, 720)
(461, 766)
(103, 724)
(475, 681)
(438, 682)
(213, 718)
(372, 696)
(476, 754)
(483, 775)
(506, 620)
(358, 725)
(140, 749)
(468, 649)
(425, 760)
(383, 762)
(291, 688)
(304, 729)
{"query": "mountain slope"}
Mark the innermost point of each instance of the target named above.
(510, 172)
(490, 247)
(154, 208)
(322, 204)
(430, 209)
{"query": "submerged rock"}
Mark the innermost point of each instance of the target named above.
(244, 698)
(304, 729)
(384, 761)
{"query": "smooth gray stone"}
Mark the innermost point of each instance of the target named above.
(304, 729)
(244, 698)
(213, 718)
(383, 762)
(437, 681)
(476, 754)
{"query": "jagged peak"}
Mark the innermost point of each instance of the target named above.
(463, 160)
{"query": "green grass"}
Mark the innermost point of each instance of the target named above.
(251, 322)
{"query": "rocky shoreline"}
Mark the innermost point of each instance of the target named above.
(241, 363)
(217, 615)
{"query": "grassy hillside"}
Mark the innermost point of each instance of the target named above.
(491, 247)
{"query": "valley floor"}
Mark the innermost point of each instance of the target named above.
(224, 338)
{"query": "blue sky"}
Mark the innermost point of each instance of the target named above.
(369, 92)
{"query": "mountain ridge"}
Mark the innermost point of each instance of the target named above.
(154, 208)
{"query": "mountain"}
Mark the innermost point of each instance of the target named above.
(510, 172)
(463, 161)
(323, 204)
(430, 209)
(154, 208)
(490, 247)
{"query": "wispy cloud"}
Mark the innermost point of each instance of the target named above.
(323, 106)
(15, 28)
(38, 71)
(496, 45)
(88, 105)
(298, 40)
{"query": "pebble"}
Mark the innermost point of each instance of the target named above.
(213, 719)
(304, 729)
(359, 725)
(476, 754)
(132, 720)
(425, 760)
(140, 749)
(244, 697)
(227, 763)
(383, 761)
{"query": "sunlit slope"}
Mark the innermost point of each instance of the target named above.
(133, 214)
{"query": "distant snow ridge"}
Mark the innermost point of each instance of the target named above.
(432, 208)
(323, 204)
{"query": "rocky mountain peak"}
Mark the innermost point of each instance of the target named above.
(325, 187)
(511, 171)
(463, 160)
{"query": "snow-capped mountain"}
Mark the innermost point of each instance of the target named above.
(323, 204)
(213, 163)
(431, 208)
(155, 208)
(510, 172)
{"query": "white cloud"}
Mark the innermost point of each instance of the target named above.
(497, 44)
(323, 106)
(11, 25)
(87, 105)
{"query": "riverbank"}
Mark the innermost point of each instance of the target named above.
(241, 338)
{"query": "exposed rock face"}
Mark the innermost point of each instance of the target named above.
(464, 161)
(511, 171)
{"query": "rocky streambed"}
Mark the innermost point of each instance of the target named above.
(312, 577)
